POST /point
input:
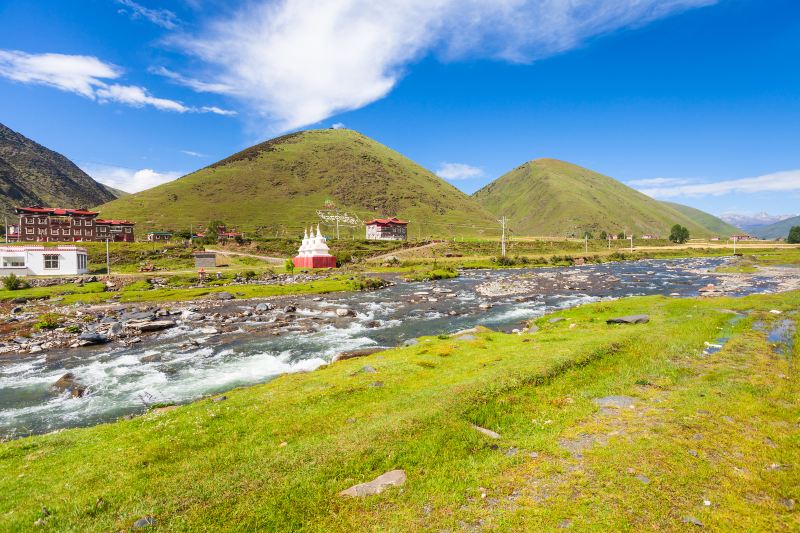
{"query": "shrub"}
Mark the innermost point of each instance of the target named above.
(342, 258)
(73, 329)
(48, 321)
(12, 282)
(289, 266)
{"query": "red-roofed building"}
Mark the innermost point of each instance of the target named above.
(387, 229)
(51, 224)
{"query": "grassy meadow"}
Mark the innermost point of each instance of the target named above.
(708, 439)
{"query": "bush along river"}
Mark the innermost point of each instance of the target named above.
(213, 346)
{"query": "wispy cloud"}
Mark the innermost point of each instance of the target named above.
(89, 77)
(160, 17)
(660, 182)
(787, 181)
(129, 179)
(195, 84)
(458, 171)
(297, 62)
(192, 153)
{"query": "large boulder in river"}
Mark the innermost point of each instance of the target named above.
(155, 325)
(343, 311)
(91, 337)
(67, 382)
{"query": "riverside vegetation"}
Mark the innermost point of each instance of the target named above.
(580, 424)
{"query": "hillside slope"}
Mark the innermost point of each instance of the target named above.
(276, 188)
(556, 198)
(710, 222)
(31, 174)
(778, 230)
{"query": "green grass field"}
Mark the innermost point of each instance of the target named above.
(710, 439)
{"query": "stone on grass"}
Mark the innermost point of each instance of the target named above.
(631, 319)
(616, 402)
(692, 520)
(394, 478)
(352, 354)
(487, 432)
(224, 295)
(219, 398)
(147, 521)
(557, 319)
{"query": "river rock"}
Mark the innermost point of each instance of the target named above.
(19, 301)
(342, 312)
(410, 342)
(138, 316)
(631, 319)
(155, 325)
(154, 358)
(192, 316)
(263, 307)
(93, 338)
(67, 382)
(224, 295)
(394, 478)
(290, 309)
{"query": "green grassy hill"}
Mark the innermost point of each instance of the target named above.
(778, 230)
(276, 188)
(551, 197)
(708, 221)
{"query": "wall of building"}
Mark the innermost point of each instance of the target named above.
(70, 262)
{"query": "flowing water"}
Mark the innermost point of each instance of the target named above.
(190, 364)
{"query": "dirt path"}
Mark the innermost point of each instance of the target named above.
(401, 253)
(265, 258)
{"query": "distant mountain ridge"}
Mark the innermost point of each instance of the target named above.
(557, 198)
(753, 223)
(279, 186)
(778, 230)
(31, 174)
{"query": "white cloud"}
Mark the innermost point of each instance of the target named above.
(128, 179)
(337, 126)
(458, 171)
(787, 181)
(197, 85)
(659, 182)
(192, 153)
(160, 17)
(297, 62)
(89, 77)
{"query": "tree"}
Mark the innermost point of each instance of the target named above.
(588, 235)
(621, 235)
(603, 236)
(679, 234)
(794, 235)
(289, 265)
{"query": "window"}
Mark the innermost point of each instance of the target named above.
(42, 220)
(13, 262)
(77, 222)
(82, 262)
(65, 232)
(102, 229)
(88, 233)
(88, 223)
(54, 231)
(127, 230)
(30, 220)
(77, 232)
(29, 231)
(50, 261)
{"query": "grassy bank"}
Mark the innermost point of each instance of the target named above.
(140, 292)
(720, 428)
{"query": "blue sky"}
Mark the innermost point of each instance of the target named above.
(695, 101)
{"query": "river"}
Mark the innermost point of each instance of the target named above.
(186, 364)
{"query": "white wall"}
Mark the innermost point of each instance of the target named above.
(70, 262)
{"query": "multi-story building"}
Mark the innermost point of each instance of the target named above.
(387, 229)
(50, 224)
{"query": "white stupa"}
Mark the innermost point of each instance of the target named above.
(314, 251)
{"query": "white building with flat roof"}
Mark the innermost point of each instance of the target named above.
(43, 260)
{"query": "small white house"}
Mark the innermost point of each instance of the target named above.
(43, 260)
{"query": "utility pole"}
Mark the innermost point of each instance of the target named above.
(5, 227)
(631, 242)
(503, 236)
(734, 244)
(586, 243)
(108, 259)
